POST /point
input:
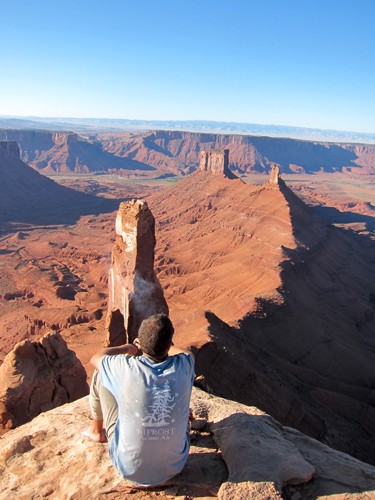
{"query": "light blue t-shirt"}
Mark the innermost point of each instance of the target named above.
(150, 443)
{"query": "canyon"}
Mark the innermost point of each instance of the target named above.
(173, 153)
(277, 304)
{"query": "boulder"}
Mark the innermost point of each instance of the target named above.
(38, 376)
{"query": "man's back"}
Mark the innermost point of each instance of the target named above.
(150, 443)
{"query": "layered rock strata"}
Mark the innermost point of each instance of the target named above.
(38, 376)
(134, 291)
(174, 153)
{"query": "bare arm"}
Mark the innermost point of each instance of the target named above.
(130, 349)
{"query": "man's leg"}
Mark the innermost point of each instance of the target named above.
(104, 411)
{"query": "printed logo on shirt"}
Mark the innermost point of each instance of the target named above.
(159, 414)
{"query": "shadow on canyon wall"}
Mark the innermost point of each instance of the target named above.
(335, 216)
(307, 356)
(312, 157)
(68, 214)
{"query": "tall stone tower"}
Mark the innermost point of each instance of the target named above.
(134, 290)
(274, 177)
(216, 162)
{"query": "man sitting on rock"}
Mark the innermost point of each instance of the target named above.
(140, 394)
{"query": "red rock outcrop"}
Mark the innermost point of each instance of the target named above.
(216, 162)
(36, 377)
(134, 291)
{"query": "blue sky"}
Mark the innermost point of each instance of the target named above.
(284, 62)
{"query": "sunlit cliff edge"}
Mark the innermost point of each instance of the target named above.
(250, 456)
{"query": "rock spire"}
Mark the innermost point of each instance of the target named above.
(134, 291)
(274, 177)
(216, 162)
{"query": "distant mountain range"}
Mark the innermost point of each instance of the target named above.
(117, 125)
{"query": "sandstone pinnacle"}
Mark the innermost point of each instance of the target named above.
(134, 291)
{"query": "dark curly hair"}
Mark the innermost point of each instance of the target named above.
(155, 335)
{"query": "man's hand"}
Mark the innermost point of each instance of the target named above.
(130, 349)
(138, 346)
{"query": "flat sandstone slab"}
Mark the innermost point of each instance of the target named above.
(48, 458)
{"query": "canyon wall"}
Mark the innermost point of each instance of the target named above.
(9, 151)
(178, 152)
(170, 153)
(26, 195)
(66, 152)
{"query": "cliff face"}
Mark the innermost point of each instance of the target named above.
(134, 291)
(24, 190)
(26, 195)
(66, 152)
(9, 151)
(178, 153)
(38, 376)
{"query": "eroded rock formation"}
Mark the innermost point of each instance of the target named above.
(216, 162)
(134, 291)
(274, 175)
(38, 376)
